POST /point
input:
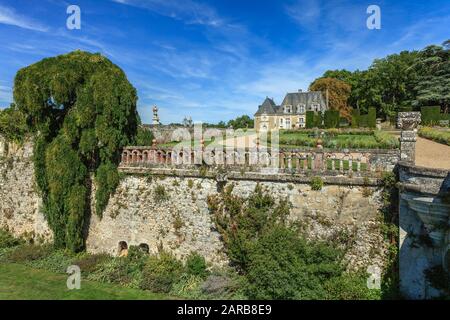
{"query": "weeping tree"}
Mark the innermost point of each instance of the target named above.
(82, 110)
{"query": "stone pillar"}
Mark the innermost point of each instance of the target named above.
(408, 122)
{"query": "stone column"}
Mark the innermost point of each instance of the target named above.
(408, 122)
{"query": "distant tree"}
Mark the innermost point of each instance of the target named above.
(393, 79)
(241, 122)
(433, 82)
(338, 94)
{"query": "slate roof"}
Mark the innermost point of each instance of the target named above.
(268, 107)
(293, 99)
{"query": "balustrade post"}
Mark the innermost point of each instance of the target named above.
(408, 122)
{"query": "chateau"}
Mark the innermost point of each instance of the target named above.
(292, 111)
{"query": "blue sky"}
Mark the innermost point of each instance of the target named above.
(215, 60)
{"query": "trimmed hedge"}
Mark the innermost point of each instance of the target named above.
(309, 119)
(331, 119)
(435, 135)
(430, 115)
(355, 118)
(372, 118)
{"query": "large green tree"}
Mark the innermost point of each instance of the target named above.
(82, 109)
(433, 83)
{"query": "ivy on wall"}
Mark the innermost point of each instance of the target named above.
(82, 110)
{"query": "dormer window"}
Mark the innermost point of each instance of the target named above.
(315, 107)
(288, 109)
(301, 108)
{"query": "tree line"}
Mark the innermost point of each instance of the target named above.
(405, 81)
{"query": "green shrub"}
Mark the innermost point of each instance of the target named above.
(355, 118)
(350, 287)
(31, 252)
(316, 183)
(386, 140)
(160, 194)
(7, 240)
(318, 119)
(309, 122)
(161, 272)
(196, 265)
(430, 115)
(89, 263)
(56, 261)
(372, 118)
(435, 135)
(331, 119)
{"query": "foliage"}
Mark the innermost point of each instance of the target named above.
(160, 194)
(309, 123)
(331, 119)
(433, 80)
(196, 265)
(430, 115)
(144, 137)
(386, 140)
(337, 91)
(89, 263)
(83, 110)
(316, 183)
(13, 124)
(274, 258)
(29, 252)
(372, 118)
(435, 135)
(161, 272)
(7, 240)
(355, 118)
(241, 122)
(28, 283)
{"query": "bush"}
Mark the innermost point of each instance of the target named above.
(331, 119)
(56, 261)
(435, 135)
(161, 272)
(386, 140)
(372, 118)
(27, 253)
(8, 241)
(430, 115)
(196, 265)
(89, 263)
(316, 183)
(160, 194)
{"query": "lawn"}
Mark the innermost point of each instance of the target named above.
(364, 140)
(19, 282)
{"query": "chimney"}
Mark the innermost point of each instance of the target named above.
(300, 90)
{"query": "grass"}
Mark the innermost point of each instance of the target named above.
(19, 282)
(363, 140)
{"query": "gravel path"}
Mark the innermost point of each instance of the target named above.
(432, 154)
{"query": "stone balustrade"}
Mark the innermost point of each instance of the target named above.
(289, 161)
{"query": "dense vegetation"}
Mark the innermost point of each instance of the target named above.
(273, 256)
(399, 82)
(82, 111)
(160, 273)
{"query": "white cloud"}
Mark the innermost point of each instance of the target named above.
(189, 11)
(9, 17)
